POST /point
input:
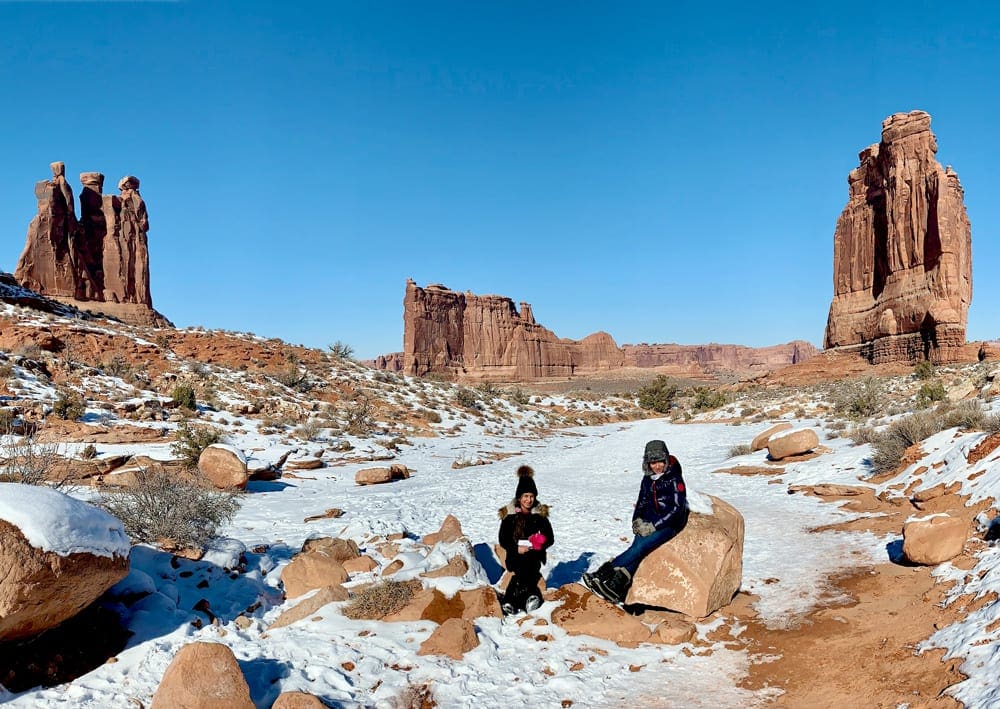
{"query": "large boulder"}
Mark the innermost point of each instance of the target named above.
(582, 613)
(203, 675)
(57, 556)
(760, 440)
(312, 569)
(454, 638)
(224, 466)
(788, 443)
(698, 571)
(451, 530)
(935, 539)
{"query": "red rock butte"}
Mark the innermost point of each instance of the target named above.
(99, 263)
(902, 255)
(486, 337)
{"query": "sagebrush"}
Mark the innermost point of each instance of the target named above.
(163, 508)
(379, 600)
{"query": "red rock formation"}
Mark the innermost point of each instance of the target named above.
(713, 358)
(486, 337)
(100, 263)
(902, 273)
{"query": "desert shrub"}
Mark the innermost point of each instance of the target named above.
(24, 460)
(191, 441)
(658, 395)
(858, 399)
(69, 405)
(431, 415)
(294, 378)
(862, 435)
(117, 366)
(360, 417)
(89, 451)
(341, 350)
(965, 414)
(309, 430)
(7, 371)
(888, 447)
(739, 449)
(706, 398)
(466, 398)
(7, 420)
(379, 600)
(924, 369)
(930, 392)
(28, 351)
(163, 507)
(518, 396)
(184, 395)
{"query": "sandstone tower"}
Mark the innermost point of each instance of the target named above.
(902, 254)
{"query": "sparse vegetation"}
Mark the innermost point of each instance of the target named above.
(191, 441)
(24, 460)
(69, 405)
(658, 395)
(929, 393)
(739, 449)
(360, 417)
(341, 350)
(164, 509)
(924, 369)
(859, 399)
(184, 396)
(379, 600)
(707, 398)
(89, 452)
(466, 398)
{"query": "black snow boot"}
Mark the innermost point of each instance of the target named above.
(602, 575)
(616, 588)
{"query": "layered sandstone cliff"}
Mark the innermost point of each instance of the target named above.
(467, 336)
(98, 263)
(902, 252)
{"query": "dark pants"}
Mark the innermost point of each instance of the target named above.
(641, 547)
(524, 582)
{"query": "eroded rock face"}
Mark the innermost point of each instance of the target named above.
(101, 258)
(902, 272)
(698, 571)
(469, 336)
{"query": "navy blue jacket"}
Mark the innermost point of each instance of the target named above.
(663, 502)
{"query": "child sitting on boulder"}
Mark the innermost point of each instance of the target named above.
(660, 513)
(525, 534)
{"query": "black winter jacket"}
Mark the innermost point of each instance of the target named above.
(511, 531)
(663, 502)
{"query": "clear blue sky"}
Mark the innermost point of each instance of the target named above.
(666, 171)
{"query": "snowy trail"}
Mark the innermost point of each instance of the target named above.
(590, 477)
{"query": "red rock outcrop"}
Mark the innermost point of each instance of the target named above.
(469, 336)
(714, 358)
(99, 263)
(902, 272)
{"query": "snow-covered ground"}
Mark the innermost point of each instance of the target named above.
(589, 477)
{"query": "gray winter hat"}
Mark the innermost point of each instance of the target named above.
(655, 450)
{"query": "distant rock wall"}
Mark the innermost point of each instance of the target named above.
(467, 336)
(97, 263)
(902, 252)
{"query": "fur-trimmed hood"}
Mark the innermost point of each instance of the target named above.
(511, 508)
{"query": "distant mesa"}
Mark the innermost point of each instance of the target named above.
(99, 262)
(486, 337)
(902, 254)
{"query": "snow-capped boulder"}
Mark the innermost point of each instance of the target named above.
(451, 530)
(795, 442)
(760, 440)
(57, 555)
(203, 675)
(224, 466)
(935, 539)
(698, 571)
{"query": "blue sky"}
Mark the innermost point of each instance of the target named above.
(666, 172)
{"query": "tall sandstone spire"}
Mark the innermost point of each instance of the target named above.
(902, 254)
(99, 263)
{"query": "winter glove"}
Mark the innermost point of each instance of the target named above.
(642, 528)
(537, 541)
